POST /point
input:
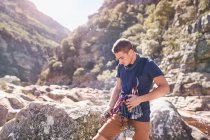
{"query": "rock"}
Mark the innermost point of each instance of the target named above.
(51, 121)
(192, 83)
(203, 50)
(199, 121)
(37, 93)
(11, 79)
(167, 123)
(198, 135)
(15, 103)
(205, 22)
(56, 96)
(190, 103)
(26, 98)
(97, 97)
(29, 89)
(3, 114)
(201, 25)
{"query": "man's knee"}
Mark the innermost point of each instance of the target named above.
(99, 137)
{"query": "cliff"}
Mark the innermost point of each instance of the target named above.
(27, 39)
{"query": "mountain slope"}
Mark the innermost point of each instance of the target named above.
(27, 39)
(157, 29)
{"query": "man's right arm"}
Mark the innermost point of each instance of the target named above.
(115, 95)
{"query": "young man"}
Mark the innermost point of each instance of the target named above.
(133, 71)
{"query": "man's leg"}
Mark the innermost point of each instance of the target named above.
(99, 137)
(142, 130)
(111, 128)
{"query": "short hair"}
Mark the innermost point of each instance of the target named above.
(122, 44)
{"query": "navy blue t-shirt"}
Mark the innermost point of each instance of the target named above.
(146, 70)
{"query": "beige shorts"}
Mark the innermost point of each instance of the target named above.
(116, 124)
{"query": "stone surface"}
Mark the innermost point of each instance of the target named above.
(51, 121)
(3, 114)
(166, 122)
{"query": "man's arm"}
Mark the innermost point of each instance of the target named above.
(115, 94)
(161, 90)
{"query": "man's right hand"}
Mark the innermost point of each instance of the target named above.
(107, 114)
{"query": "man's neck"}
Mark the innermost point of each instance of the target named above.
(133, 59)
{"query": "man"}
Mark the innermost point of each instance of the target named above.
(133, 71)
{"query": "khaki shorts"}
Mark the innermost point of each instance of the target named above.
(114, 126)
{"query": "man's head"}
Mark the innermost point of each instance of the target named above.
(124, 51)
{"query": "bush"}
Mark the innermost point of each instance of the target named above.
(3, 85)
(45, 75)
(150, 47)
(87, 47)
(97, 68)
(89, 65)
(110, 64)
(133, 30)
(57, 66)
(203, 5)
(79, 71)
(52, 61)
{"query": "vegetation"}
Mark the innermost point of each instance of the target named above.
(3, 85)
(156, 30)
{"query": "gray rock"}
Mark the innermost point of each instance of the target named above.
(3, 114)
(11, 79)
(50, 121)
(15, 103)
(166, 122)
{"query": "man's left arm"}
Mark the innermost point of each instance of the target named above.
(161, 90)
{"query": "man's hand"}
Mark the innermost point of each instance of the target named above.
(107, 114)
(132, 101)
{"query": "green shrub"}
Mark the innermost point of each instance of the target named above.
(203, 5)
(44, 75)
(79, 71)
(87, 47)
(120, 8)
(97, 69)
(57, 65)
(110, 64)
(3, 85)
(52, 61)
(133, 30)
(104, 76)
(107, 74)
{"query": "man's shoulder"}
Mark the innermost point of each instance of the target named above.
(145, 60)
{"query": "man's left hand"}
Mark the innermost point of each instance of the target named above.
(132, 102)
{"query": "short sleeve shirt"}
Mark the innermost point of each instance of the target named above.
(149, 70)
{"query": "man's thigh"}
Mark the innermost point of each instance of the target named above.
(142, 130)
(112, 127)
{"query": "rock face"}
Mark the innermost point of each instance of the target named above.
(80, 121)
(3, 114)
(42, 111)
(48, 121)
(167, 123)
(22, 42)
(59, 112)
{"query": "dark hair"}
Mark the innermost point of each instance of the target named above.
(122, 44)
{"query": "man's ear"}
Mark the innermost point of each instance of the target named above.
(130, 52)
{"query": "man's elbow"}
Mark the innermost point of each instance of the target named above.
(166, 89)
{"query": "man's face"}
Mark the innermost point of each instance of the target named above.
(124, 58)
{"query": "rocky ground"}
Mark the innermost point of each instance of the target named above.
(60, 112)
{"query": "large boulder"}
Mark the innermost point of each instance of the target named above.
(53, 121)
(194, 83)
(3, 114)
(167, 123)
